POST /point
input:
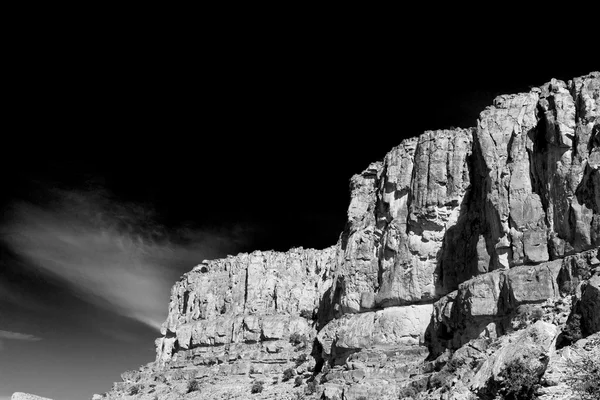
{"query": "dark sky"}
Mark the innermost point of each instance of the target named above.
(125, 165)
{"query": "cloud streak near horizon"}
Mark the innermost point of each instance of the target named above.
(18, 336)
(8, 335)
(111, 254)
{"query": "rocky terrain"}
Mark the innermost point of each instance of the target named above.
(26, 396)
(469, 268)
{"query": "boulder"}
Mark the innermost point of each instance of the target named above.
(589, 306)
(532, 347)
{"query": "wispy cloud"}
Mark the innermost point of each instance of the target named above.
(7, 335)
(18, 336)
(111, 254)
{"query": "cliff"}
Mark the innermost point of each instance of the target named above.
(460, 245)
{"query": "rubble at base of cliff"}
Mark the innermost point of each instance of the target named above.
(469, 269)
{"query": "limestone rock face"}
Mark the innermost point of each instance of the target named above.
(249, 298)
(385, 328)
(26, 396)
(448, 240)
(484, 305)
(398, 215)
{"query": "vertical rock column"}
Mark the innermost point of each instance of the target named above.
(513, 211)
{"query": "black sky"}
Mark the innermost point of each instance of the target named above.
(249, 139)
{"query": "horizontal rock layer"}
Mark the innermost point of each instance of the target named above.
(484, 305)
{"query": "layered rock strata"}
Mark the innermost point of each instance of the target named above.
(448, 239)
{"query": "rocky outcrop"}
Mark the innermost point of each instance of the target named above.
(26, 396)
(531, 347)
(567, 373)
(257, 300)
(398, 216)
(589, 306)
(456, 239)
(485, 305)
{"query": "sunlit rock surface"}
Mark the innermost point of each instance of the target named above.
(26, 396)
(464, 250)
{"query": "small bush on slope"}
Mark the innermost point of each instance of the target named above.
(518, 382)
(287, 374)
(193, 386)
(311, 387)
(301, 359)
(306, 314)
(296, 339)
(135, 389)
(257, 387)
(584, 375)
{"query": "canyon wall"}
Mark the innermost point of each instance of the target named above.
(446, 238)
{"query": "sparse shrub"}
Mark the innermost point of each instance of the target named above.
(518, 381)
(583, 376)
(298, 396)
(407, 393)
(306, 314)
(177, 375)
(296, 338)
(537, 314)
(134, 389)
(311, 387)
(130, 376)
(257, 387)
(454, 364)
(324, 371)
(572, 331)
(526, 314)
(275, 381)
(301, 359)
(362, 398)
(252, 371)
(298, 381)
(569, 286)
(193, 386)
(287, 374)
(441, 379)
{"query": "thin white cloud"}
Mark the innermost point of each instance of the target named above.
(18, 336)
(112, 254)
(8, 335)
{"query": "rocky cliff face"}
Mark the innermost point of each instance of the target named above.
(451, 241)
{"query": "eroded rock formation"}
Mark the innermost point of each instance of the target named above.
(448, 240)
(26, 396)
